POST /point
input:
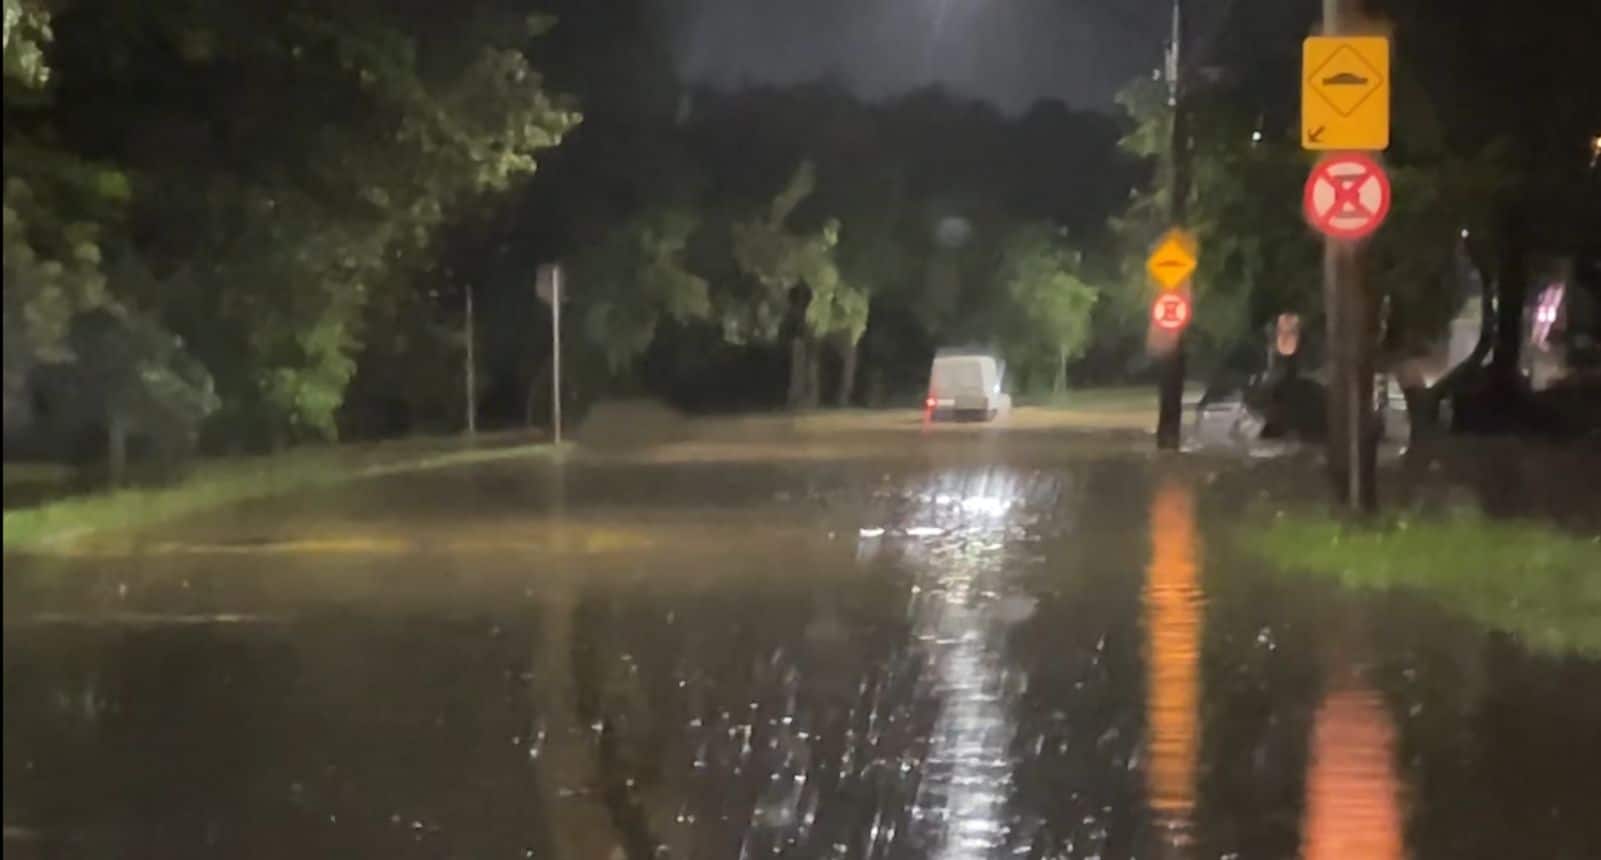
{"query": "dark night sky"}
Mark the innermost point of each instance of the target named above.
(1007, 52)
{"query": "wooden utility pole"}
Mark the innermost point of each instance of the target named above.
(471, 368)
(1170, 382)
(1353, 437)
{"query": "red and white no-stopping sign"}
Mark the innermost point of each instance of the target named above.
(1347, 196)
(1170, 311)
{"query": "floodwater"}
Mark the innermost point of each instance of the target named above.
(952, 645)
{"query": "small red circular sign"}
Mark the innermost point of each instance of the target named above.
(1347, 196)
(1170, 311)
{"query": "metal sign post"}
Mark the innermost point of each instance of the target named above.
(1345, 105)
(471, 369)
(1171, 264)
(555, 353)
(548, 285)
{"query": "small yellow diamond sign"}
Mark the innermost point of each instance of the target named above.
(1345, 92)
(1173, 261)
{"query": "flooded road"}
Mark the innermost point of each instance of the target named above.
(958, 645)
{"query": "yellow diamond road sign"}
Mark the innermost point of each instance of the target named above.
(1345, 92)
(1173, 261)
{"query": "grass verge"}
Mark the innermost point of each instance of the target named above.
(217, 483)
(1520, 577)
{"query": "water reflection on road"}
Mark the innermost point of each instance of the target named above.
(1352, 790)
(964, 602)
(959, 652)
(1174, 615)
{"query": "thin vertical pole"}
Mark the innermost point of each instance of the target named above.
(1170, 381)
(1351, 444)
(471, 369)
(555, 349)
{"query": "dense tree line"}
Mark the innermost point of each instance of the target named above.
(244, 191)
(244, 225)
(798, 246)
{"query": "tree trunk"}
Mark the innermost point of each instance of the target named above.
(847, 372)
(1511, 288)
(1422, 406)
(1059, 386)
(116, 447)
(1470, 367)
(796, 398)
(814, 374)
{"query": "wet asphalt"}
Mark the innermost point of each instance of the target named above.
(898, 644)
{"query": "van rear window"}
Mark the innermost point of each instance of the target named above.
(957, 375)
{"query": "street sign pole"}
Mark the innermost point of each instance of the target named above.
(1352, 446)
(555, 352)
(548, 286)
(471, 368)
(1170, 382)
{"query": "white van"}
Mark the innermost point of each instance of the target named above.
(967, 385)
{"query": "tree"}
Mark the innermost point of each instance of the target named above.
(634, 278)
(781, 261)
(1051, 303)
(344, 138)
(52, 258)
(55, 208)
(27, 31)
(131, 375)
(1438, 208)
(1257, 256)
(842, 318)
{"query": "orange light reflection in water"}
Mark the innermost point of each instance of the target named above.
(1353, 809)
(1173, 618)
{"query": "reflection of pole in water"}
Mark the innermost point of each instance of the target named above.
(1352, 792)
(1173, 618)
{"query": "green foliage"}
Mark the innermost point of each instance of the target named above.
(343, 139)
(1520, 577)
(1050, 303)
(841, 312)
(52, 272)
(637, 276)
(56, 209)
(56, 526)
(778, 260)
(1414, 256)
(308, 382)
(127, 366)
(1257, 256)
(27, 32)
